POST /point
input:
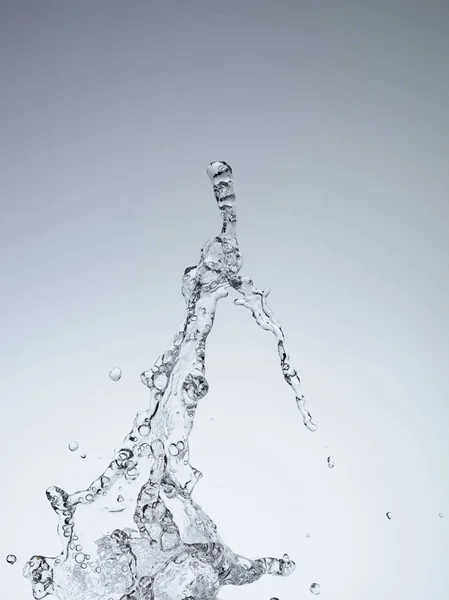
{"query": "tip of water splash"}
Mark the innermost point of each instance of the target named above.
(218, 168)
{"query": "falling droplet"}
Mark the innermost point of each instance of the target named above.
(389, 515)
(307, 535)
(274, 598)
(330, 462)
(120, 498)
(83, 455)
(115, 374)
(73, 446)
(441, 515)
(315, 588)
(11, 559)
(80, 558)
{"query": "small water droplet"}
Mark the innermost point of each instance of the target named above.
(73, 446)
(330, 462)
(11, 559)
(173, 450)
(115, 374)
(120, 498)
(315, 588)
(307, 535)
(274, 598)
(389, 515)
(83, 455)
(79, 558)
(144, 430)
(441, 515)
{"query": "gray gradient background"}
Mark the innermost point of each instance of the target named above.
(334, 117)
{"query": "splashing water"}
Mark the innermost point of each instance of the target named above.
(164, 546)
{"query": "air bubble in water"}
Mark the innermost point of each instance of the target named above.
(330, 462)
(73, 446)
(115, 374)
(11, 559)
(389, 515)
(315, 588)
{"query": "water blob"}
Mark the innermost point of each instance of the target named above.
(115, 374)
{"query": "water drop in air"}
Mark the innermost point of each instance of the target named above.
(389, 515)
(83, 455)
(330, 462)
(115, 374)
(73, 446)
(11, 559)
(315, 588)
(441, 515)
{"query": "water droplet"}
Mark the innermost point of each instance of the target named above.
(389, 515)
(441, 515)
(173, 449)
(73, 446)
(330, 462)
(120, 498)
(307, 535)
(274, 598)
(83, 455)
(315, 588)
(80, 558)
(11, 559)
(115, 374)
(144, 430)
(180, 445)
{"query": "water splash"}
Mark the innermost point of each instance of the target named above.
(161, 545)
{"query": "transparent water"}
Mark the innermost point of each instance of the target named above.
(164, 546)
